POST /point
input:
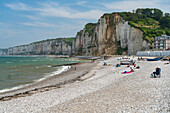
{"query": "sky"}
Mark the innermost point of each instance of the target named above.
(26, 21)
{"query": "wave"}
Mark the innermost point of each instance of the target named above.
(13, 88)
(63, 68)
(8, 62)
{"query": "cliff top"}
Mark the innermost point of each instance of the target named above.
(66, 40)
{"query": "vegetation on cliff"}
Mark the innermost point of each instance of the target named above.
(90, 28)
(151, 21)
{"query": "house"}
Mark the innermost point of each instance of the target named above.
(162, 43)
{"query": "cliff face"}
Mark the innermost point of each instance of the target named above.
(110, 35)
(48, 47)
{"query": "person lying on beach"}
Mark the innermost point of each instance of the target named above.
(126, 72)
(137, 67)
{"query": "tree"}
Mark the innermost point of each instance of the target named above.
(167, 15)
(165, 21)
(157, 14)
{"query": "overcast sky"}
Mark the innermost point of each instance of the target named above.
(26, 21)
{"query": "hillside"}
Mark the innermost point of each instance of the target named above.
(151, 21)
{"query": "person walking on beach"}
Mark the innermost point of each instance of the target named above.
(75, 69)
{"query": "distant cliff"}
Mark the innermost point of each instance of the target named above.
(111, 35)
(3, 52)
(59, 46)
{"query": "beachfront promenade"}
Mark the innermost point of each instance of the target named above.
(101, 89)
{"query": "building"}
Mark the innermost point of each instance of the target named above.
(162, 43)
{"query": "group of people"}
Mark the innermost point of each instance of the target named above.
(131, 69)
(135, 67)
(141, 58)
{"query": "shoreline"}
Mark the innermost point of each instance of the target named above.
(47, 83)
(100, 89)
(6, 90)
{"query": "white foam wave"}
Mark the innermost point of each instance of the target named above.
(8, 62)
(63, 68)
(13, 88)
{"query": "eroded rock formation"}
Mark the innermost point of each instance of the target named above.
(110, 35)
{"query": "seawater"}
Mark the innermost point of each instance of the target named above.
(19, 71)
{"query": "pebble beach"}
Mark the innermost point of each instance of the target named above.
(95, 88)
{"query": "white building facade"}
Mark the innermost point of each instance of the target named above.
(161, 43)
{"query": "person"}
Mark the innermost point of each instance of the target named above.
(128, 65)
(157, 72)
(117, 65)
(75, 69)
(105, 64)
(134, 65)
(131, 69)
(138, 58)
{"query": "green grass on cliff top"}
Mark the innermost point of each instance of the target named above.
(150, 21)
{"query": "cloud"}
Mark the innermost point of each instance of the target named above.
(67, 12)
(55, 10)
(62, 12)
(38, 24)
(81, 2)
(129, 5)
(19, 6)
(32, 17)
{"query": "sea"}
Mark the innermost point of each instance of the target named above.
(16, 72)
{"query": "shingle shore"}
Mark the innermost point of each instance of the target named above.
(103, 89)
